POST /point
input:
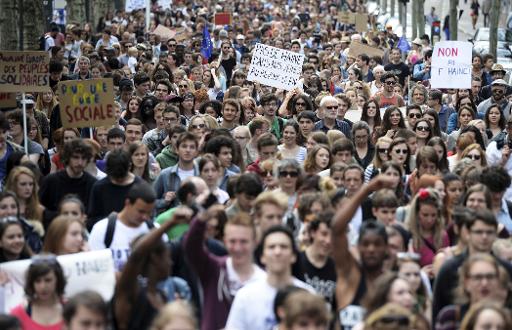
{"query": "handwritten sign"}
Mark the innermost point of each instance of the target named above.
(8, 100)
(132, 5)
(361, 22)
(164, 32)
(87, 270)
(275, 67)
(357, 48)
(24, 71)
(344, 17)
(86, 103)
(451, 65)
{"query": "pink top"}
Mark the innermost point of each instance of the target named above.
(28, 324)
(426, 252)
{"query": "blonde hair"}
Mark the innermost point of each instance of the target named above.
(176, 310)
(33, 209)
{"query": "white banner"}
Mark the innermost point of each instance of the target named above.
(451, 65)
(84, 271)
(275, 67)
(132, 5)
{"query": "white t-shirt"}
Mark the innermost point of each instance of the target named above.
(184, 174)
(252, 308)
(123, 236)
(235, 283)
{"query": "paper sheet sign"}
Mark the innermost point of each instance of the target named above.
(87, 270)
(275, 67)
(24, 71)
(451, 65)
(86, 103)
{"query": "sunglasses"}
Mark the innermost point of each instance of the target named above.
(401, 151)
(358, 87)
(198, 126)
(423, 128)
(415, 115)
(182, 86)
(390, 83)
(300, 104)
(382, 150)
(332, 108)
(266, 173)
(473, 157)
(291, 174)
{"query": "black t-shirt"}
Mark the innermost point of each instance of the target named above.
(323, 280)
(401, 70)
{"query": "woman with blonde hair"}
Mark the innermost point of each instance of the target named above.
(487, 315)
(318, 159)
(178, 315)
(65, 236)
(334, 135)
(381, 155)
(45, 102)
(476, 154)
(22, 181)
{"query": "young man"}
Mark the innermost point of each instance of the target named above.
(267, 148)
(169, 180)
(343, 151)
(498, 180)
(6, 147)
(230, 274)
(363, 63)
(355, 279)
(306, 120)
(269, 209)
(71, 180)
(142, 84)
(270, 104)
(397, 67)
(387, 97)
(108, 194)
(86, 311)
(222, 147)
(482, 229)
(248, 187)
(153, 138)
(130, 223)
(230, 112)
(15, 118)
(162, 89)
(133, 131)
(435, 101)
(384, 205)
(168, 156)
(257, 127)
(316, 265)
(329, 105)
(252, 307)
(100, 135)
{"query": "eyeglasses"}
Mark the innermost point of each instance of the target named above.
(473, 157)
(382, 150)
(480, 277)
(291, 174)
(390, 83)
(198, 126)
(401, 151)
(423, 128)
(415, 115)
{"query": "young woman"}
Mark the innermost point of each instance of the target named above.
(495, 121)
(390, 288)
(316, 138)
(442, 154)
(198, 126)
(12, 240)
(60, 137)
(290, 148)
(64, 236)
(381, 155)
(139, 153)
(464, 116)
(72, 207)
(425, 223)
(210, 170)
(392, 121)
(475, 153)
(393, 170)
(399, 152)
(23, 183)
(433, 118)
(133, 108)
(409, 268)
(44, 288)
(487, 315)
(423, 131)
(371, 114)
(318, 159)
(45, 102)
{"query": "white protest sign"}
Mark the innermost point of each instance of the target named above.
(451, 65)
(84, 271)
(275, 67)
(132, 5)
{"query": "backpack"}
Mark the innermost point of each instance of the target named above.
(111, 227)
(42, 41)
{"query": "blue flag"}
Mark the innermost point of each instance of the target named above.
(403, 44)
(206, 44)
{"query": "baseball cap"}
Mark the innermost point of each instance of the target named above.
(499, 82)
(29, 100)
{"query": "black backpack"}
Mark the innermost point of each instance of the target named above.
(111, 228)
(42, 41)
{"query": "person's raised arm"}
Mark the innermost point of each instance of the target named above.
(283, 109)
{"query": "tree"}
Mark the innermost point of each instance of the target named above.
(453, 19)
(420, 11)
(414, 23)
(9, 33)
(33, 25)
(75, 10)
(495, 16)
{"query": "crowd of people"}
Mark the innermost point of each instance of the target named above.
(360, 199)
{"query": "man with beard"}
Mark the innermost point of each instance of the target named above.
(498, 89)
(387, 96)
(354, 280)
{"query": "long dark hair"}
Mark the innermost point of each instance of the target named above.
(386, 120)
(436, 130)
(502, 123)
(443, 162)
(364, 116)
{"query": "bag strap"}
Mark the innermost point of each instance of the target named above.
(111, 227)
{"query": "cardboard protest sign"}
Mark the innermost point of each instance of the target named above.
(361, 21)
(164, 32)
(24, 71)
(275, 67)
(86, 103)
(451, 65)
(8, 100)
(222, 19)
(357, 48)
(181, 34)
(343, 17)
(84, 271)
